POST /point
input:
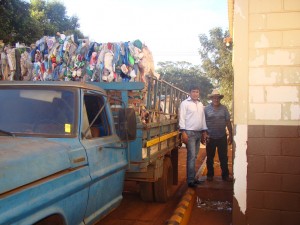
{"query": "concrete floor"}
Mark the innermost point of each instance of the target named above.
(213, 201)
(211, 204)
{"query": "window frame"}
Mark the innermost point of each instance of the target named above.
(102, 112)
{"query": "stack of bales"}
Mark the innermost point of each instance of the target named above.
(65, 58)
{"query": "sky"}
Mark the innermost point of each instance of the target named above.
(170, 28)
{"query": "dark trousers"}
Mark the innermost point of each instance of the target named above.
(222, 146)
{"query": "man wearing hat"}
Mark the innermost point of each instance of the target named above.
(217, 119)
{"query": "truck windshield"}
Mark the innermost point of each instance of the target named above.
(33, 111)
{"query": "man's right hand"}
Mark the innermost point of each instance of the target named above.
(184, 137)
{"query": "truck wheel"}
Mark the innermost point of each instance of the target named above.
(146, 191)
(163, 186)
(51, 220)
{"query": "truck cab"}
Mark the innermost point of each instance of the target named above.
(62, 160)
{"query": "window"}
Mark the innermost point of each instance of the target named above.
(38, 111)
(96, 114)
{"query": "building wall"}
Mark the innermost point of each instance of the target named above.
(273, 190)
(266, 60)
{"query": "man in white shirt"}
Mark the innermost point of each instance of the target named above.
(192, 125)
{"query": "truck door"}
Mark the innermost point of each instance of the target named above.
(106, 157)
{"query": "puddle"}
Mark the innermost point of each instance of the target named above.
(210, 205)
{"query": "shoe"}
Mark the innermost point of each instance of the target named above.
(227, 179)
(198, 182)
(192, 184)
(209, 178)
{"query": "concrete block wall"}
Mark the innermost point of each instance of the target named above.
(273, 179)
(274, 62)
(266, 61)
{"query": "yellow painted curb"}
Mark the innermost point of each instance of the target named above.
(184, 208)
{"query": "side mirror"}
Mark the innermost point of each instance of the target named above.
(127, 124)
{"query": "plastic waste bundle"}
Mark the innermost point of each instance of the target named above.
(66, 58)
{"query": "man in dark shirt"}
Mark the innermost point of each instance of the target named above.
(217, 119)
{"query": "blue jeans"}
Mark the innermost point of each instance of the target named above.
(194, 138)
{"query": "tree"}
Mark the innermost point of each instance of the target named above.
(183, 74)
(52, 17)
(217, 62)
(16, 23)
(54, 10)
(27, 22)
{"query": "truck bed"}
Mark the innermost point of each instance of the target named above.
(156, 106)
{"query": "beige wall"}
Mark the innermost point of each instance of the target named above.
(241, 86)
(267, 56)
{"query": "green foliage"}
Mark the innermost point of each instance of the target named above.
(27, 22)
(16, 23)
(183, 74)
(52, 17)
(217, 62)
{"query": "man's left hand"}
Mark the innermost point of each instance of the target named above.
(230, 139)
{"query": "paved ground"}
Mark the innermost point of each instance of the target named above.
(211, 205)
(134, 211)
(213, 202)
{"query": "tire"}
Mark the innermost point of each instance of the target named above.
(146, 191)
(163, 187)
(51, 220)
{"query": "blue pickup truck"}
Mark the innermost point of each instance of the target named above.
(66, 148)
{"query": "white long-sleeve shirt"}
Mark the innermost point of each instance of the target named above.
(191, 115)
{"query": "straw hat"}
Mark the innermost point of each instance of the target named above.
(215, 92)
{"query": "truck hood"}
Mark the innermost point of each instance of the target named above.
(24, 160)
